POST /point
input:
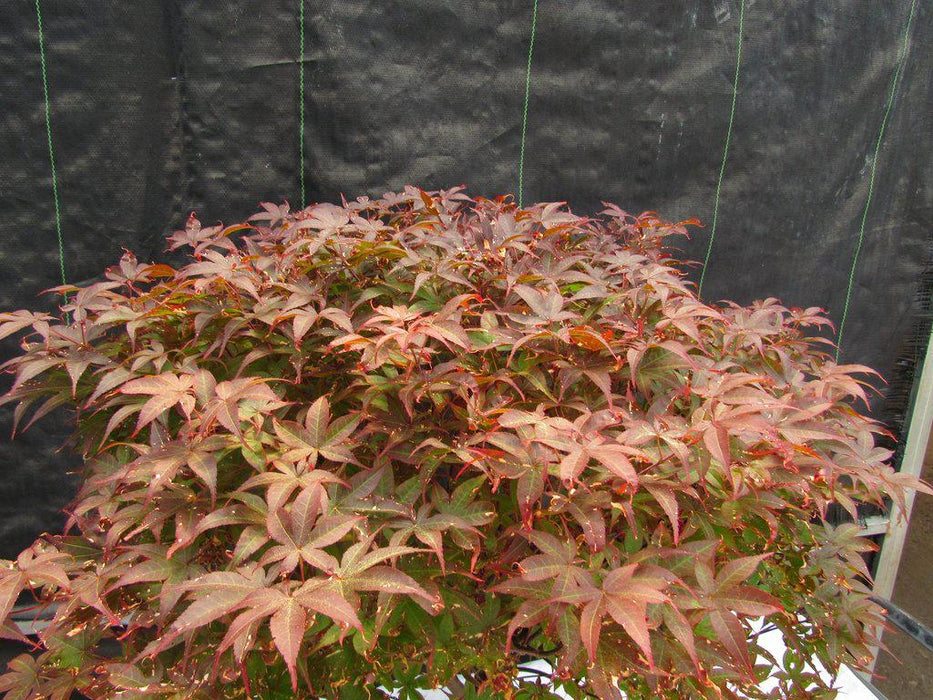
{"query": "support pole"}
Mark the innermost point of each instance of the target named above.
(918, 435)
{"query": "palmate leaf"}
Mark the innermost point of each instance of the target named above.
(12, 583)
(558, 560)
(726, 598)
(213, 595)
(362, 569)
(302, 535)
(129, 677)
(148, 564)
(167, 390)
(615, 458)
(529, 614)
(287, 618)
(244, 627)
(232, 397)
(318, 436)
(21, 680)
(429, 529)
(41, 565)
(624, 596)
(289, 477)
(653, 366)
(15, 321)
(323, 597)
(546, 307)
(732, 635)
(158, 467)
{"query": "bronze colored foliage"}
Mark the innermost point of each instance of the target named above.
(401, 441)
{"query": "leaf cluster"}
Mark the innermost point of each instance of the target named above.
(425, 439)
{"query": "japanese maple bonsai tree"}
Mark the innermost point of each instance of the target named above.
(423, 440)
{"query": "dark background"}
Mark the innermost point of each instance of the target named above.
(159, 108)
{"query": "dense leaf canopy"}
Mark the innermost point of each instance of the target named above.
(403, 440)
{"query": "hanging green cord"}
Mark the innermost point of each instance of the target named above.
(301, 99)
(902, 59)
(48, 131)
(725, 150)
(521, 157)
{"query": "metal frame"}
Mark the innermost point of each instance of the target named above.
(918, 436)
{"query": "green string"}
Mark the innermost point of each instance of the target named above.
(301, 99)
(725, 150)
(521, 157)
(902, 59)
(48, 131)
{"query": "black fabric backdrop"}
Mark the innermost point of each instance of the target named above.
(163, 107)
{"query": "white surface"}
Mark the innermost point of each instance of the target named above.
(849, 685)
